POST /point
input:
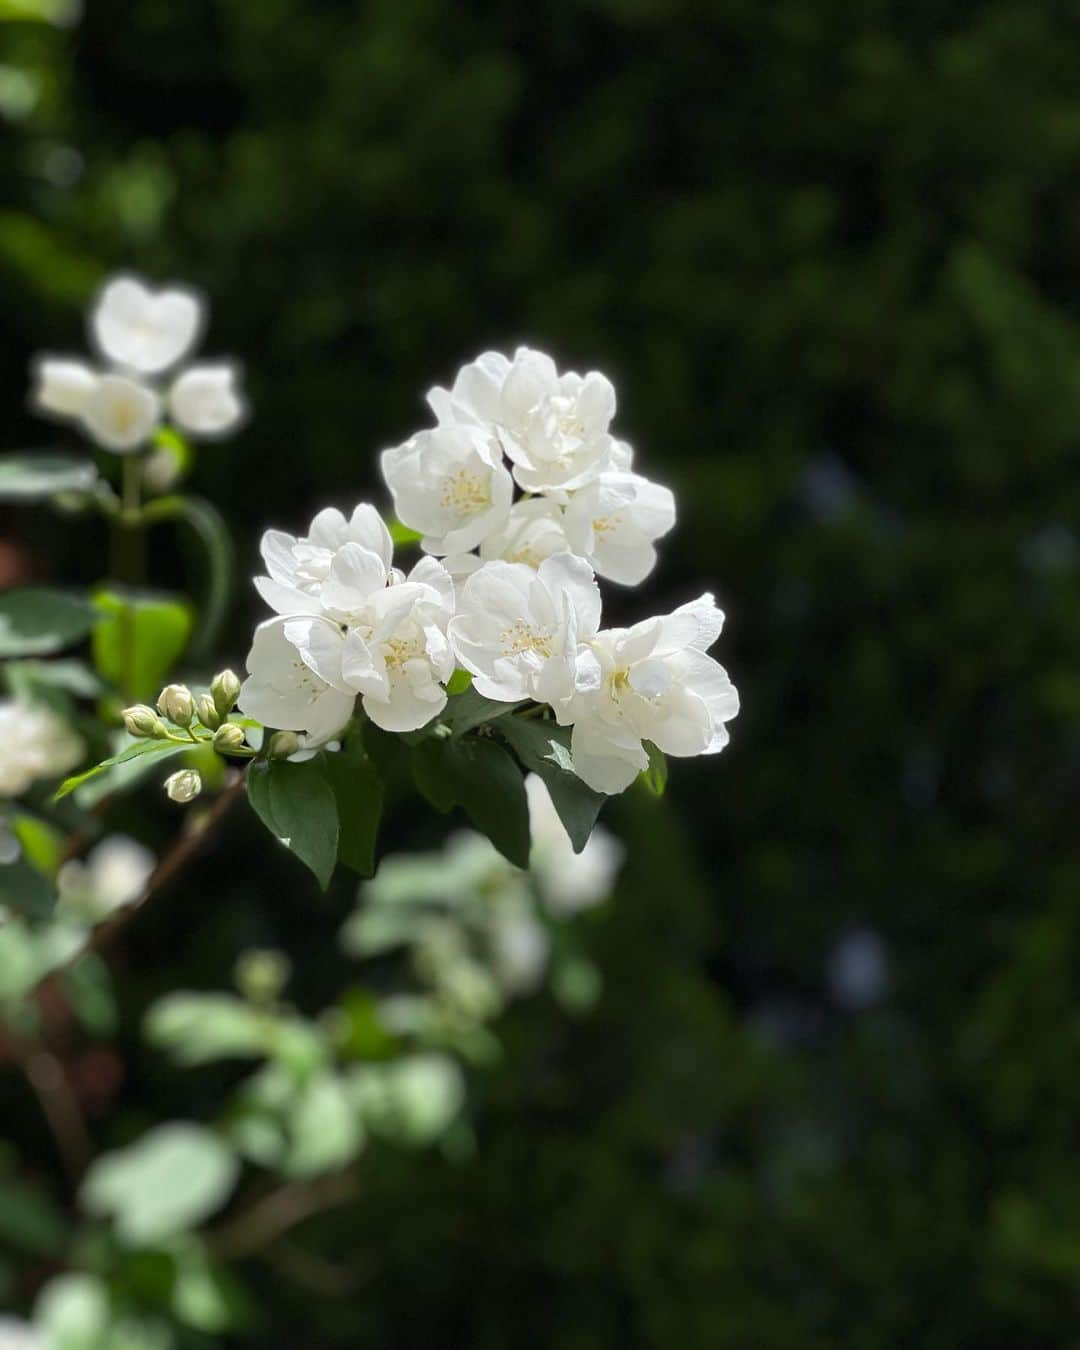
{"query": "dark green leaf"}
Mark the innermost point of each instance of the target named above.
(485, 779)
(36, 621)
(544, 747)
(358, 789)
(138, 638)
(35, 477)
(25, 891)
(29, 1220)
(466, 711)
(654, 778)
(296, 804)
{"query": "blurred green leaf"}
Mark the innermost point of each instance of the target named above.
(297, 805)
(324, 1127)
(36, 477)
(35, 679)
(175, 1176)
(544, 747)
(31, 1221)
(205, 1295)
(197, 1028)
(37, 621)
(138, 638)
(26, 891)
(42, 844)
(212, 531)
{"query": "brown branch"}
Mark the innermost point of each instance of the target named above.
(59, 1105)
(278, 1212)
(330, 1279)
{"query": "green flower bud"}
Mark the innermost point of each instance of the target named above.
(225, 690)
(207, 713)
(175, 703)
(228, 737)
(283, 744)
(142, 721)
(184, 786)
(261, 974)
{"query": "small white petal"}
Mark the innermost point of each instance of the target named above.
(63, 387)
(121, 413)
(205, 402)
(146, 331)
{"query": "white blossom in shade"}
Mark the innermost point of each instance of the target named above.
(205, 401)
(449, 483)
(389, 645)
(113, 875)
(283, 692)
(613, 522)
(568, 881)
(122, 413)
(517, 629)
(144, 330)
(520, 945)
(299, 568)
(63, 386)
(533, 532)
(652, 682)
(34, 744)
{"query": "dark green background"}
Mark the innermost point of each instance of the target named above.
(829, 254)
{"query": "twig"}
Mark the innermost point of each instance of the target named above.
(59, 1106)
(278, 1212)
(327, 1278)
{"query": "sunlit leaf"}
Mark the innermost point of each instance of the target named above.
(36, 477)
(138, 638)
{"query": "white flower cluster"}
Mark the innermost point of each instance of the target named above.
(34, 743)
(522, 615)
(141, 336)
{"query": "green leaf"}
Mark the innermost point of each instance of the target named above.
(37, 679)
(205, 1295)
(459, 682)
(136, 750)
(402, 534)
(655, 777)
(42, 844)
(29, 1219)
(297, 805)
(412, 1101)
(201, 1028)
(464, 712)
(37, 621)
(25, 891)
(36, 477)
(358, 790)
(171, 1179)
(325, 1129)
(138, 638)
(544, 747)
(485, 779)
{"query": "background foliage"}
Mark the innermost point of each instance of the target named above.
(827, 253)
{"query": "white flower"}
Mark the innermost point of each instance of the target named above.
(34, 743)
(450, 484)
(533, 532)
(18, 1335)
(63, 386)
(520, 945)
(517, 630)
(568, 881)
(476, 395)
(204, 400)
(143, 330)
(613, 522)
(114, 874)
(387, 644)
(281, 691)
(299, 568)
(121, 413)
(652, 682)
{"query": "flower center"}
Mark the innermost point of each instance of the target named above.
(466, 493)
(606, 524)
(522, 637)
(399, 651)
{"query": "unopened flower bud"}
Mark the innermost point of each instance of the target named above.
(142, 721)
(283, 744)
(228, 737)
(183, 786)
(261, 974)
(207, 714)
(225, 690)
(175, 703)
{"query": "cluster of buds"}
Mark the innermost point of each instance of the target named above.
(183, 718)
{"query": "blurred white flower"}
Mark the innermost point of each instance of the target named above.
(652, 682)
(568, 881)
(144, 330)
(113, 875)
(205, 401)
(517, 630)
(141, 334)
(613, 522)
(449, 483)
(281, 691)
(18, 1335)
(519, 943)
(34, 743)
